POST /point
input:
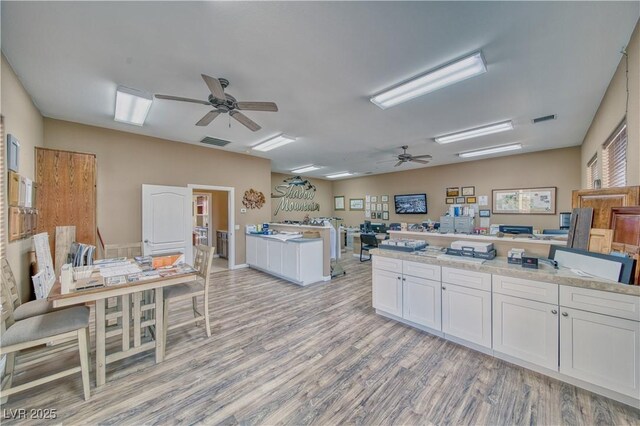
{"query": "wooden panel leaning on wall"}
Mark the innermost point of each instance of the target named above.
(67, 193)
(602, 200)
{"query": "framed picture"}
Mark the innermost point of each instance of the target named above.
(471, 200)
(356, 203)
(525, 201)
(450, 200)
(367, 206)
(338, 202)
(460, 200)
(13, 153)
(468, 190)
(374, 198)
(453, 192)
(385, 215)
(367, 214)
(484, 213)
(378, 215)
(379, 207)
(385, 207)
(367, 198)
(384, 198)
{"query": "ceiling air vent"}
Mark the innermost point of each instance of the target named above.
(214, 141)
(545, 118)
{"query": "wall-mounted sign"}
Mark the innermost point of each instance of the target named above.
(296, 194)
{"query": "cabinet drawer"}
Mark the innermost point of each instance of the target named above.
(602, 302)
(472, 279)
(421, 270)
(527, 289)
(387, 264)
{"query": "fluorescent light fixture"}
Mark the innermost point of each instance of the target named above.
(339, 175)
(305, 169)
(132, 106)
(475, 132)
(493, 150)
(273, 143)
(445, 75)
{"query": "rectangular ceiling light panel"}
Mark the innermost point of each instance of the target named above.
(273, 143)
(339, 175)
(305, 169)
(494, 150)
(440, 77)
(475, 132)
(132, 106)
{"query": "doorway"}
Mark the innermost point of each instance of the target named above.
(213, 223)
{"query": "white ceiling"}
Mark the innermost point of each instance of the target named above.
(320, 62)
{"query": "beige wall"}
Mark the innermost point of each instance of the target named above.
(612, 111)
(559, 167)
(23, 120)
(324, 197)
(126, 161)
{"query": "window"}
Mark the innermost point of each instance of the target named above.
(614, 159)
(593, 172)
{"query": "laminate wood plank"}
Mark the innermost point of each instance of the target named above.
(283, 354)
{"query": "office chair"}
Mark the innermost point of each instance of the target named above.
(367, 242)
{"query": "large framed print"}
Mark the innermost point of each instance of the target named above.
(525, 201)
(338, 202)
(356, 203)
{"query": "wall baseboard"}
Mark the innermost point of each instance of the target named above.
(242, 265)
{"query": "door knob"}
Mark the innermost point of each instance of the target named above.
(554, 312)
(564, 314)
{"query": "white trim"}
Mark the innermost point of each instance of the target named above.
(231, 219)
(241, 266)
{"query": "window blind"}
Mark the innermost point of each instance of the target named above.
(614, 159)
(593, 172)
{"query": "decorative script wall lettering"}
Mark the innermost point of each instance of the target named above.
(295, 194)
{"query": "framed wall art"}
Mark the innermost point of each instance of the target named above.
(385, 215)
(356, 203)
(468, 191)
(453, 192)
(384, 198)
(450, 200)
(471, 200)
(460, 200)
(338, 202)
(525, 201)
(374, 198)
(484, 213)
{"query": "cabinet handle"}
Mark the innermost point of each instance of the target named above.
(404, 279)
(398, 277)
(564, 314)
(444, 288)
(554, 312)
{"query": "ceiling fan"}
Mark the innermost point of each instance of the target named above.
(405, 157)
(223, 103)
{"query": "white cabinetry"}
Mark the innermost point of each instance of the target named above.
(252, 250)
(262, 253)
(466, 313)
(387, 292)
(274, 263)
(421, 301)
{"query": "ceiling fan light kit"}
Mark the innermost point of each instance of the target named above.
(493, 150)
(442, 76)
(488, 129)
(273, 143)
(224, 103)
(132, 106)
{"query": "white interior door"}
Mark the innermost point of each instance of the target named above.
(167, 220)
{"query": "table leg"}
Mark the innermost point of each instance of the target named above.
(136, 319)
(159, 302)
(101, 337)
(126, 306)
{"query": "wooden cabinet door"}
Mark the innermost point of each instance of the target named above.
(387, 292)
(603, 200)
(601, 349)
(421, 301)
(526, 329)
(466, 313)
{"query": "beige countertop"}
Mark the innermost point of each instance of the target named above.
(561, 241)
(500, 266)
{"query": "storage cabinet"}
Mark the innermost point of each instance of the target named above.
(274, 263)
(601, 349)
(422, 301)
(466, 313)
(526, 329)
(262, 253)
(387, 292)
(251, 248)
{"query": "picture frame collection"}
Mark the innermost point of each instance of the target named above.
(461, 195)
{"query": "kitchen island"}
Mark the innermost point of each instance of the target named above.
(298, 260)
(584, 331)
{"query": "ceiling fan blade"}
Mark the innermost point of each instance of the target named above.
(208, 118)
(419, 161)
(214, 86)
(246, 121)
(258, 106)
(399, 163)
(177, 98)
(422, 156)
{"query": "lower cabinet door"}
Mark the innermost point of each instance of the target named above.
(526, 329)
(275, 256)
(252, 248)
(601, 349)
(387, 292)
(421, 302)
(291, 261)
(262, 253)
(466, 313)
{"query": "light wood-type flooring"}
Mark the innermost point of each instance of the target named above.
(283, 354)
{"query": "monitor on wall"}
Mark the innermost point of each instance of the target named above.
(411, 203)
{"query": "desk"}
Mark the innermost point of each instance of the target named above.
(125, 291)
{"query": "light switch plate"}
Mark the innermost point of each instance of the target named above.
(237, 227)
(243, 210)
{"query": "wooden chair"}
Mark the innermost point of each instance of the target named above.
(128, 250)
(21, 310)
(54, 327)
(203, 258)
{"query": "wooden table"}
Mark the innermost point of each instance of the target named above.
(125, 291)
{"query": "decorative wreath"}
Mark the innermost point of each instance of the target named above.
(253, 199)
